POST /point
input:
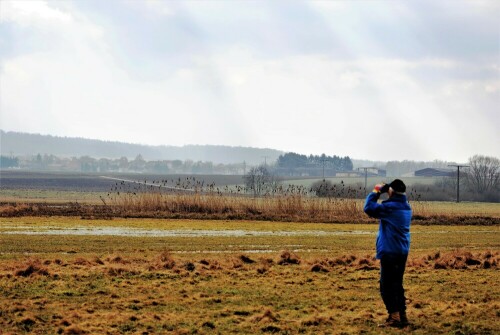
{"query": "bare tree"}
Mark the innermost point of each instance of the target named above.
(483, 175)
(259, 180)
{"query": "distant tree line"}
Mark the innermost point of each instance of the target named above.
(292, 163)
(139, 164)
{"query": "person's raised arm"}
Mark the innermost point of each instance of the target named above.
(372, 207)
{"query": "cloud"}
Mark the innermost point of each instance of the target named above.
(32, 13)
(370, 81)
(417, 29)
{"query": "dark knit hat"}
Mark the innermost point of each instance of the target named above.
(398, 186)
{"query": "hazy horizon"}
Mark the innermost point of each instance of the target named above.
(373, 80)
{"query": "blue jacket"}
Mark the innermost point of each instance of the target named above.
(394, 228)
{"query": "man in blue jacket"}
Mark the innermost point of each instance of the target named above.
(393, 245)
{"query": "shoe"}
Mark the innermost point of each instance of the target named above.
(393, 321)
(403, 319)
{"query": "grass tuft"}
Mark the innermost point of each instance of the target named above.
(208, 324)
(81, 261)
(460, 260)
(74, 330)
(316, 321)
(97, 260)
(117, 259)
(34, 267)
(271, 329)
(288, 257)
(319, 268)
(26, 324)
(267, 316)
(189, 266)
(246, 259)
(342, 260)
(163, 261)
(264, 265)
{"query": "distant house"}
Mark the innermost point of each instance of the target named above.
(434, 172)
(370, 172)
(348, 174)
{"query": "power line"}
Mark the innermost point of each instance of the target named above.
(458, 166)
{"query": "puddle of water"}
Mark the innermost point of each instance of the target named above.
(136, 232)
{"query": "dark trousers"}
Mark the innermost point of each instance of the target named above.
(392, 269)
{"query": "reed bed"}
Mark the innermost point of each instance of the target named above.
(194, 199)
(282, 207)
(277, 202)
(321, 203)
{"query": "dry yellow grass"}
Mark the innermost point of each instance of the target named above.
(281, 206)
(282, 293)
(246, 284)
(292, 207)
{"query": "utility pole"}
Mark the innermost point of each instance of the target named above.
(265, 160)
(244, 168)
(323, 161)
(366, 173)
(458, 166)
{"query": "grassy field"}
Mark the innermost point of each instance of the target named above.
(456, 209)
(65, 275)
(94, 182)
(92, 271)
(49, 196)
(76, 186)
(129, 202)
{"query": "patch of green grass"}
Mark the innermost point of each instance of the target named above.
(50, 196)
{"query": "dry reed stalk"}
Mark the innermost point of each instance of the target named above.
(291, 206)
(420, 208)
(16, 208)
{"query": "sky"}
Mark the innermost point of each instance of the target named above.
(377, 80)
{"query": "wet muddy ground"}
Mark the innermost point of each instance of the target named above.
(137, 232)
